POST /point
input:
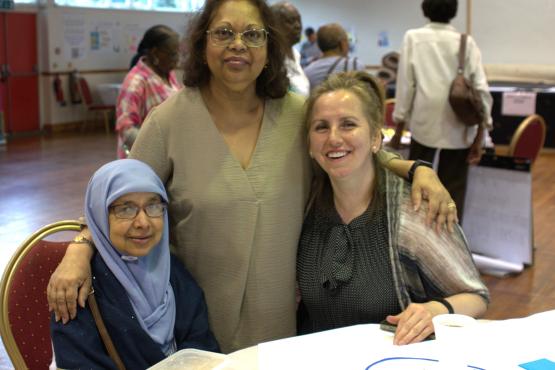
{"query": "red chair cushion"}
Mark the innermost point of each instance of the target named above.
(389, 108)
(530, 142)
(28, 307)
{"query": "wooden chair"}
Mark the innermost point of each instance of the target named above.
(528, 138)
(25, 323)
(93, 109)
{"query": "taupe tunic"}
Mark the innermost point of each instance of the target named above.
(235, 229)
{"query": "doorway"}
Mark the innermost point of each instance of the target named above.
(19, 89)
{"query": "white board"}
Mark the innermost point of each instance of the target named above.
(498, 213)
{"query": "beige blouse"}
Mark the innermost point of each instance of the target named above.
(235, 229)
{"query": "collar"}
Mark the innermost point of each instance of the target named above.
(440, 26)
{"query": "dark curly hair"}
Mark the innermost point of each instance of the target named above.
(441, 11)
(272, 81)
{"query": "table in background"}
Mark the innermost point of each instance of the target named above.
(505, 126)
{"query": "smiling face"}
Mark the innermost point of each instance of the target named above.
(340, 137)
(235, 66)
(136, 236)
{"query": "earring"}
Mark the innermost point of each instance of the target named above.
(310, 154)
(155, 61)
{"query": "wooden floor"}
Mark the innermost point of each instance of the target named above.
(42, 180)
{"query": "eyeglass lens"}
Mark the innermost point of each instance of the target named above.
(129, 211)
(251, 38)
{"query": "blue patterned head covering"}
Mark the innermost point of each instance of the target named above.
(146, 279)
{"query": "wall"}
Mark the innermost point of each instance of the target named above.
(99, 44)
(515, 31)
(507, 31)
(367, 19)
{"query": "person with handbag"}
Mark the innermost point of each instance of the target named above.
(145, 305)
(427, 66)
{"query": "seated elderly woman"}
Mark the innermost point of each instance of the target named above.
(365, 255)
(150, 305)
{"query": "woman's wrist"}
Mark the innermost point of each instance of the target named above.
(442, 305)
(80, 249)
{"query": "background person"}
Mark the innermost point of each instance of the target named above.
(364, 255)
(290, 22)
(309, 49)
(334, 43)
(150, 305)
(150, 81)
(427, 66)
(231, 150)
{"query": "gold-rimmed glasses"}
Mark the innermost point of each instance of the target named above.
(129, 211)
(253, 38)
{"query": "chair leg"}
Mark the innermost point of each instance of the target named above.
(85, 122)
(107, 122)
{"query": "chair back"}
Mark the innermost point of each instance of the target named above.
(388, 115)
(25, 324)
(528, 138)
(85, 91)
(391, 60)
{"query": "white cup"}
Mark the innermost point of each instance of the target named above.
(452, 331)
(452, 327)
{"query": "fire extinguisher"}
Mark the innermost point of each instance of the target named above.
(74, 94)
(59, 91)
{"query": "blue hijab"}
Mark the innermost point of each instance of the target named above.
(146, 279)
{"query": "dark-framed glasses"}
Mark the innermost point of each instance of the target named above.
(129, 211)
(253, 38)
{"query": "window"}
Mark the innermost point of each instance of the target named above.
(23, 2)
(164, 5)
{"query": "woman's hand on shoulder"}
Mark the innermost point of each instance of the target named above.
(441, 207)
(413, 324)
(70, 283)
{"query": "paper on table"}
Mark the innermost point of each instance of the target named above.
(191, 358)
(495, 345)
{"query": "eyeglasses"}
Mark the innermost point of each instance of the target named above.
(129, 211)
(253, 38)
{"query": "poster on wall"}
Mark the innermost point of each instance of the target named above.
(102, 37)
(75, 41)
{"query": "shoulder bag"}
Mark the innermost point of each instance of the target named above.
(112, 352)
(463, 97)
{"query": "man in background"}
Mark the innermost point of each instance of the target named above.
(309, 49)
(427, 65)
(290, 21)
(334, 43)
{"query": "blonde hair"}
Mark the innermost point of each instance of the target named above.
(371, 94)
(367, 88)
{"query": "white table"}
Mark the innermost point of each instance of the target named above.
(494, 345)
(108, 93)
